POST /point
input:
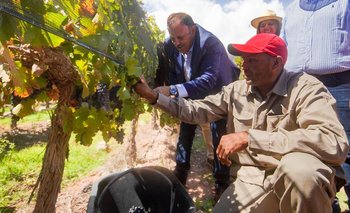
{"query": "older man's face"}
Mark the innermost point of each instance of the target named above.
(259, 71)
(182, 36)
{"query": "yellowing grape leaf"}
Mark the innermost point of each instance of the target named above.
(22, 92)
(88, 27)
(55, 19)
(87, 8)
(86, 91)
(53, 40)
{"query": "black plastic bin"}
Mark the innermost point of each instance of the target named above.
(140, 190)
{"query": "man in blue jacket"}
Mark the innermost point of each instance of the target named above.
(199, 66)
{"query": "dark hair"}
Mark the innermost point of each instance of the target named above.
(182, 17)
(278, 30)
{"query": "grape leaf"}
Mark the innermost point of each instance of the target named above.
(133, 69)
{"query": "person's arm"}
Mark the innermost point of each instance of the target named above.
(145, 91)
(212, 108)
(318, 131)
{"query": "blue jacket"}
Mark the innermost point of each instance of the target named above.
(211, 67)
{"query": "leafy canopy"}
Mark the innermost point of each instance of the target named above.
(108, 41)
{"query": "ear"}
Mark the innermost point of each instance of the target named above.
(193, 29)
(278, 63)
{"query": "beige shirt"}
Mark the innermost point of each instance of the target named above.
(298, 115)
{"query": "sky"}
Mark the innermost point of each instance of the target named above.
(229, 20)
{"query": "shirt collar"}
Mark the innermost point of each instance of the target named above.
(189, 53)
(280, 88)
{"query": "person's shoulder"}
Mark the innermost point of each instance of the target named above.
(206, 35)
(238, 85)
(169, 47)
(210, 42)
(167, 43)
(302, 79)
(308, 79)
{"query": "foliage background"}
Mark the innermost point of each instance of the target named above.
(93, 29)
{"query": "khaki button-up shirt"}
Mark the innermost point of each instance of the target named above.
(298, 115)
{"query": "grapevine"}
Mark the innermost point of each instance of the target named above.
(83, 54)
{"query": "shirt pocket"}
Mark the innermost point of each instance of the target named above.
(273, 122)
(251, 174)
(242, 121)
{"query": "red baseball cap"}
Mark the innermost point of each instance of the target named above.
(261, 43)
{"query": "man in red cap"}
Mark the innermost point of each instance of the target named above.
(284, 139)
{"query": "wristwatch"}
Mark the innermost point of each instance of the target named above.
(173, 91)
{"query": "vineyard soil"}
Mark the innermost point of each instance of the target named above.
(153, 147)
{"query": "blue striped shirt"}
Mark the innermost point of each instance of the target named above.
(317, 36)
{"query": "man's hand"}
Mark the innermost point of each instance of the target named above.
(163, 90)
(229, 144)
(145, 91)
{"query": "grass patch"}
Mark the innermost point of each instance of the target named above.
(19, 169)
(82, 159)
(43, 115)
(18, 173)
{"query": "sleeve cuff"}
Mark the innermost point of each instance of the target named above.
(182, 91)
(162, 100)
(153, 103)
(259, 140)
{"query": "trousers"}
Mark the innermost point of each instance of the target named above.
(294, 186)
(221, 172)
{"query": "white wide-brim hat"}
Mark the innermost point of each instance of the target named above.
(267, 15)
